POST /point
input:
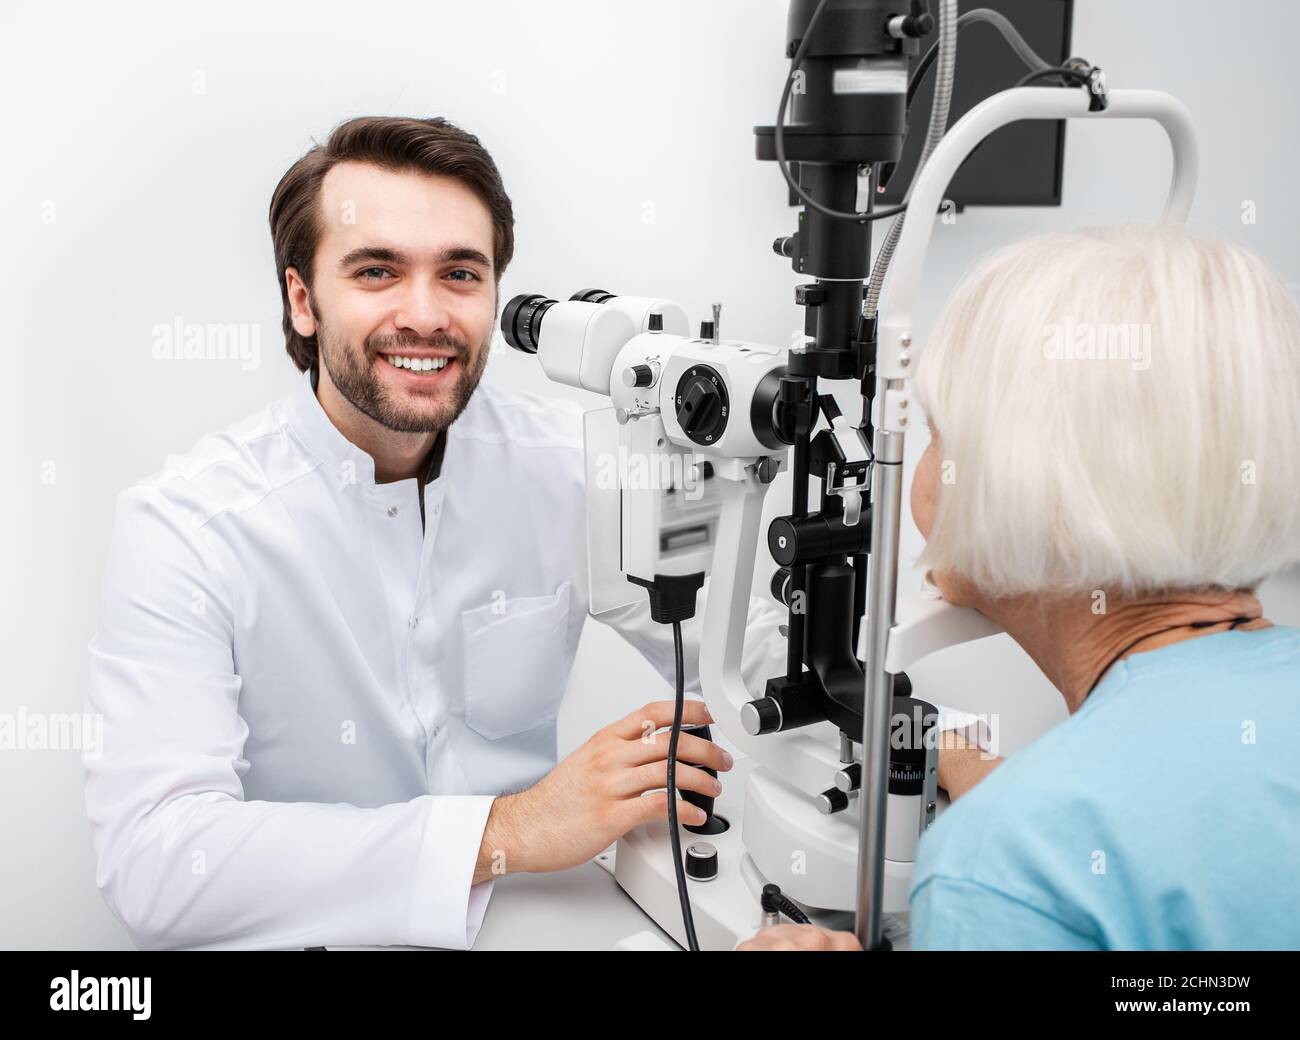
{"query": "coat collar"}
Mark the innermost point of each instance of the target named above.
(326, 441)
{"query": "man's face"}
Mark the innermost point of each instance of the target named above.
(403, 295)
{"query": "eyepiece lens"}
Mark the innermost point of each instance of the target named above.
(521, 321)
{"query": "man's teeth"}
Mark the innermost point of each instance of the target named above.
(418, 364)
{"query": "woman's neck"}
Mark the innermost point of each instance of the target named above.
(1074, 641)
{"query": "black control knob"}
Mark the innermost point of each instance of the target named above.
(793, 540)
(702, 404)
(781, 585)
(701, 861)
(761, 716)
(639, 375)
(656, 322)
(706, 330)
(832, 800)
(783, 540)
(592, 296)
(911, 736)
(849, 778)
(713, 823)
(813, 294)
(699, 408)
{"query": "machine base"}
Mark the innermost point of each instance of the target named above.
(726, 909)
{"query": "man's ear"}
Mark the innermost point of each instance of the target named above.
(304, 321)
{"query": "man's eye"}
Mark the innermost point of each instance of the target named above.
(372, 274)
(464, 271)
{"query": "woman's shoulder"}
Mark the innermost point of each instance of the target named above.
(1135, 770)
(1259, 654)
(1146, 712)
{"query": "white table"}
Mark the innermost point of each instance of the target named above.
(578, 909)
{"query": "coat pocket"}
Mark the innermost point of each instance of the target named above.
(516, 662)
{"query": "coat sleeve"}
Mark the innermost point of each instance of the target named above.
(182, 858)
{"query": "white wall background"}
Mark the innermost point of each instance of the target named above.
(142, 143)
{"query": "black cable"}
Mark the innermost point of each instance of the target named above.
(1064, 71)
(692, 942)
(998, 21)
(774, 901)
(779, 140)
(793, 912)
(980, 14)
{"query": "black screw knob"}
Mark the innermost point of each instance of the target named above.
(783, 540)
(849, 778)
(781, 585)
(832, 800)
(810, 295)
(701, 861)
(639, 375)
(761, 716)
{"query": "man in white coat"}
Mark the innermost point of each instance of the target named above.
(328, 643)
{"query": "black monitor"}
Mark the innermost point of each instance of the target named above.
(1019, 164)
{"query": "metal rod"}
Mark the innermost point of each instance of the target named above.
(887, 498)
(798, 573)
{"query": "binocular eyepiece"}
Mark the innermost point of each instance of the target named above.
(521, 320)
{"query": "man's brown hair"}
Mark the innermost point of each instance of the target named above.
(432, 146)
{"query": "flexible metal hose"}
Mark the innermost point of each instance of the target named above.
(947, 65)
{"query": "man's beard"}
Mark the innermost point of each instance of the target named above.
(353, 373)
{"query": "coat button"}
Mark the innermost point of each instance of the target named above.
(392, 510)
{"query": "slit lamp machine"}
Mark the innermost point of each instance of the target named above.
(841, 771)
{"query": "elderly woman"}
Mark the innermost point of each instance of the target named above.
(1114, 467)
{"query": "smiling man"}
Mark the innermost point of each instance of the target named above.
(414, 282)
(335, 636)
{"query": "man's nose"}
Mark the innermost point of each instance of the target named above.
(421, 310)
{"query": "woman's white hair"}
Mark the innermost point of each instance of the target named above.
(1118, 409)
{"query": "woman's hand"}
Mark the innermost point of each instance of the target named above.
(801, 937)
(962, 764)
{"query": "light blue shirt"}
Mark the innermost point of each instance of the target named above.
(1163, 815)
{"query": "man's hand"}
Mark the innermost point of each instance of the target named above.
(802, 937)
(597, 794)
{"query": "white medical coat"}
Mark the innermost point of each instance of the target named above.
(310, 701)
